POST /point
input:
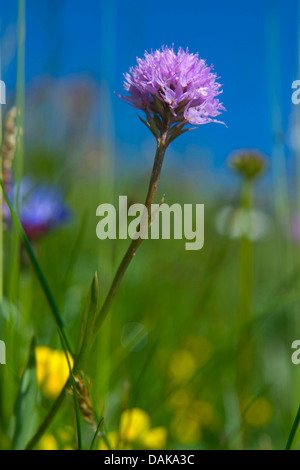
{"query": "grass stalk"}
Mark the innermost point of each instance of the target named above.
(245, 297)
(39, 273)
(154, 180)
(76, 404)
(66, 344)
(96, 433)
(1, 208)
(157, 166)
(293, 431)
(18, 162)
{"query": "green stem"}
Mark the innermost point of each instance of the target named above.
(154, 180)
(73, 381)
(293, 431)
(20, 100)
(18, 164)
(61, 328)
(245, 298)
(246, 255)
(1, 208)
(55, 408)
(96, 433)
(38, 272)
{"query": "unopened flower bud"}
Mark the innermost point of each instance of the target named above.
(248, 163)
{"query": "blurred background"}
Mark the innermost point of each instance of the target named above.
(74, 50)
(176, 349)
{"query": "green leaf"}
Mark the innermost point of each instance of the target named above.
(153, 125)
(25, 408)
(87, 322)
(179, 131)
(148, 125)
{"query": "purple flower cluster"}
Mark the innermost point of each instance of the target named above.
(181, 83)
(41, 209)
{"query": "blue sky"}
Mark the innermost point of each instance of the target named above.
(253, 46)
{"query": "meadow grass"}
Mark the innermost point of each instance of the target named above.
(18, 161)
(1, 210)
(199, 323)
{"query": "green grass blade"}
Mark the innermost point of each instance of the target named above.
(1, 210)
(26, 416)
(293, 431)
(38, 272)
(76, 404)
(18, 161)
(88, 321)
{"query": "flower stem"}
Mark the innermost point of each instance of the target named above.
(154, 180)
(244, 312)
(246, 260)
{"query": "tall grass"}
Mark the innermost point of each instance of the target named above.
(14, 264)
(65, 341)
(1, 210)
(245, 304)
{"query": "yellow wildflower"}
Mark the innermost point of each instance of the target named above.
(52, 370)
(133, 424)
(259, 413)
(48, 442)
(182, 366)
(155, 438)
(135, 427)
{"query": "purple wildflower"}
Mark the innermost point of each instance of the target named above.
(179, 85)
(41, 209)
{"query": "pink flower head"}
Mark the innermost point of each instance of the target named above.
(181, 84)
